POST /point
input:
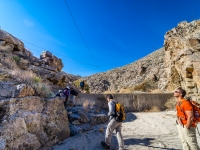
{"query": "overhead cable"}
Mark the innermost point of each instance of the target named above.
(80, 32)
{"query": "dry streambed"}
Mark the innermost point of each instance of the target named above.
(143, 131)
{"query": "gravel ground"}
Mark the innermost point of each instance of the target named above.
(141, 131)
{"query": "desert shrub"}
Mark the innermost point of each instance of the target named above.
(37, 79)
(86, 105)
(23, 76)
(153, 109)
(9, 63)
(157, 91)
(42, 89)
(109, 92)
(17, 59)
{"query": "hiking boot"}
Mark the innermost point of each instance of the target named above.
(105, 145)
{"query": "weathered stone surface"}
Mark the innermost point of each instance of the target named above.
(8, 38)
(23, 90)
(183, 57)
(83, 117)
(48, 67)
(32, 122)
(51, 60)
(7, 89)
(97, 118)
(149, 69)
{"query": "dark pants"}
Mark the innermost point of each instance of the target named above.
(65, 102)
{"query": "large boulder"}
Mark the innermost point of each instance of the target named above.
(32, 122)
(182, 61)
(51, 60)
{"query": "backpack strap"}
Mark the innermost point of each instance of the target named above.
(181, 118)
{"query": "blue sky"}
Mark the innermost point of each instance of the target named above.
(117, 32)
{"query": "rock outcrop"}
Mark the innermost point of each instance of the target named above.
(182, 58)
(174, 65)
(32, 122)
(48, 66)
(143, 75)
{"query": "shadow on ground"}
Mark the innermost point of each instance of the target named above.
(144, 142)
(130, 117)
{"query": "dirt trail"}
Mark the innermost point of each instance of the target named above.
(141, 131)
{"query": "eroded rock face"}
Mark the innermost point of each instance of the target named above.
(47, 66)
(149, 69)
(182, 58)
(51, 60)
(32, 122)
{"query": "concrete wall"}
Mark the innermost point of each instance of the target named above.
(132, 102)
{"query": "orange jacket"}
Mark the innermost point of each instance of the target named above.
(182, 106)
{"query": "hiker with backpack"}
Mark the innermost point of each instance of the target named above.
(73, 94)
(186, 124)
(82, 85)
(114, 124)
(66, 92)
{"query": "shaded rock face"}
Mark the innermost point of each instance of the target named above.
(82, 119)
(182, 58)
(148, 69)
(32, 122)
(47, 66)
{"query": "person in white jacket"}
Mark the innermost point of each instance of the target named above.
(112, 125)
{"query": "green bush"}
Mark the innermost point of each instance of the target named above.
(17, 59)
(42, 90)
(37, 79)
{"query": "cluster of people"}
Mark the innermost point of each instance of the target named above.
(68, 93)
(186, 124)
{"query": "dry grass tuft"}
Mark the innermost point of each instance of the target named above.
(109, 92)
(22, 76)
(86, 105)
(101, 129)
(42, 89)
(9, 63)
(153, 109)
(157, 91)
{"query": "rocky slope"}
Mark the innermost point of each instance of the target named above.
(32, 122)
(14, 57)
(176, 64)
(143, 75)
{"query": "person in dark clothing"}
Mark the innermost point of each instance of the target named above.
(82, 85)
(66, 92)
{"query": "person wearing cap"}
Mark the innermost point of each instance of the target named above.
(60, 93)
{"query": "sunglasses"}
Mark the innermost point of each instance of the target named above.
(176, 91)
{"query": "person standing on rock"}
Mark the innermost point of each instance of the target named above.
(82, 85)
(185, 124)
(66, 92)
(112, 125)
(73, 94)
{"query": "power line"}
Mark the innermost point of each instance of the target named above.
(63, 57)
(80, 32)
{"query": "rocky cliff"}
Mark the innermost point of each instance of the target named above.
(182, 58)
(176, 64)
(145, 74)
(28, 118)
(32, 122)
(14, 57)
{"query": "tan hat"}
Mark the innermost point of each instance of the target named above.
(67, 87)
